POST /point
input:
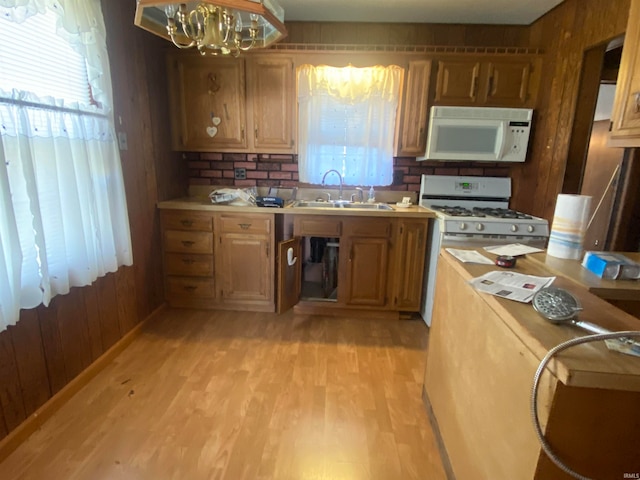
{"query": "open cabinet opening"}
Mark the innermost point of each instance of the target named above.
(320, 269)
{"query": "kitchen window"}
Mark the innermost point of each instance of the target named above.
(347, 119)
(63, 214)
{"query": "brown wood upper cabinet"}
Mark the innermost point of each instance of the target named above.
(413, 123)
(504, 81)
(625, 125)
(207, 99)
(231, 104)
(271, 93)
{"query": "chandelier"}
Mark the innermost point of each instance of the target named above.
(214, 27)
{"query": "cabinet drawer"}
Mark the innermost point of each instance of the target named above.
(184, 220)
(313, 225)
(188, 242)
(363, 227)
(190, 287)
(245, 224)
(189, 265)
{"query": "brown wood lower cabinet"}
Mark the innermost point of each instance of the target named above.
(411, 245)
(365, 262)
(380, 262)
(218, 260)
(245, 261)
(228, 260)
(187, 240)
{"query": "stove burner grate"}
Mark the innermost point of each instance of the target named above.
(502, 213)
(457, 211)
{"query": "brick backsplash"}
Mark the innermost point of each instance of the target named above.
(270, 170)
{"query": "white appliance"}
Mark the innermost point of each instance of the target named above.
(472, 211)
(478, 134)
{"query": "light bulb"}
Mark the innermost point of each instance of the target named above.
(170, 10)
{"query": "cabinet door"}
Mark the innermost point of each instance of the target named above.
(413, 133)
(507, 83)
(458, 82)
(289, 273)
(365, 265)
(625, 128)
(207, 98)
(272, 91)
(409, 265)
(245, 267)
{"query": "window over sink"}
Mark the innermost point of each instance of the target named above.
(346, 122)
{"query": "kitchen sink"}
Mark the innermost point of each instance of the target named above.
(352, 206)
(367, 206)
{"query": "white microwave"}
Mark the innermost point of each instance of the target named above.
(478, 134)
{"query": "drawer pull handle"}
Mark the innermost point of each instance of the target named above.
(187, 223)
(190, 288)
(637, 107)
(188, 243)
(188, 261)
(244, 226)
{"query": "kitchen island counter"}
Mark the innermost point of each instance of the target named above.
(624, 294)
(482, 356)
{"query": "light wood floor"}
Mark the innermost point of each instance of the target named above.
(230, 395)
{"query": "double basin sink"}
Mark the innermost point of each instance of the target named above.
(341, 204)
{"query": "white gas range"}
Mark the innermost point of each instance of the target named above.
(472, 211)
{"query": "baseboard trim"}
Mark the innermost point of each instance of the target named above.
(32, 423)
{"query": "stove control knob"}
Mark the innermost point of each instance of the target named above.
(514, 228)
(530, 228)
(463, 226)
(479, 227)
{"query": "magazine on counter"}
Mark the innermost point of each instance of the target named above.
(511, 285)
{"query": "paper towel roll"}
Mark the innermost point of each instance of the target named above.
(569, 225)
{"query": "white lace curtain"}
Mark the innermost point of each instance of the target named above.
(347, 120)
(63, 214)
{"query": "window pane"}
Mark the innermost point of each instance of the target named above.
(353, 135)
(45, 67)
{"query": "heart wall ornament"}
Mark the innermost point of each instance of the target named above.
(215, 121)
(212, 131)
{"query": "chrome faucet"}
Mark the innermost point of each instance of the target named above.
(339, 176)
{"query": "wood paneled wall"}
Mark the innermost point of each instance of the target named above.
(564, 33)
(51, 345)
(328, 33)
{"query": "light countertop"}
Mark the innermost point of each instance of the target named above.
(200, 204)
(591, 365)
